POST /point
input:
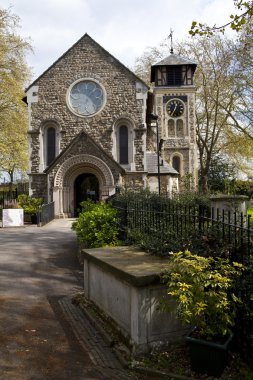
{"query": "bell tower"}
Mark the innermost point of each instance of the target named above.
(174, 103)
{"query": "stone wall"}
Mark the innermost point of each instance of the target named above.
(38, 186)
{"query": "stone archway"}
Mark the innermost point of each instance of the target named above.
(63, 191)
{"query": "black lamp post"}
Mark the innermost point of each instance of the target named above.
(154, 123)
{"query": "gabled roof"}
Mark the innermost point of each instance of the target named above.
(175, 60)
(172, 60)
(152, 167)
(86, 36)
(73, 142)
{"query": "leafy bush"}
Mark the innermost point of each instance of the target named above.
(244, 325)
(147, 196)
(97, 225)
(243, 188)
(204, 290)
(29, 204)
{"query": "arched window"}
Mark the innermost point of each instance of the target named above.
(123, 145)
(171, 128)
(180, 128)
(123, 149)
(176, 163)
(51, 145)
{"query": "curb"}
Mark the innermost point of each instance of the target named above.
(105, 336)
(122, 360)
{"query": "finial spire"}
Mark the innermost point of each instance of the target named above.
(171, 41)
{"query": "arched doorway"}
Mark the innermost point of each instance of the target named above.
(86, 186)
(64, 190)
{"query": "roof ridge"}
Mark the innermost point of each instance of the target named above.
(175, 59)
(86, 35)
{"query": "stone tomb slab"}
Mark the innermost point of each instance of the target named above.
(125, 283)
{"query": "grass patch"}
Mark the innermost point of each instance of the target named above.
(250, 213)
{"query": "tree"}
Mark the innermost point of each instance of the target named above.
(239, 139)
(221, 173)
(237, 21)
(243, 56)
(216, 94)
(14, 74)
(150, 56)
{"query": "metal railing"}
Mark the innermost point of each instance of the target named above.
(46, 214)
(231, 230)
(7, 197)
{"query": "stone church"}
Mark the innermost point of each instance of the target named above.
(94, 126)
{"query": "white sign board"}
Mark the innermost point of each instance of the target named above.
(13, 217)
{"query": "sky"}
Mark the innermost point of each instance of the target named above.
(123, 27)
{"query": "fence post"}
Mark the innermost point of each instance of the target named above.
(200, 218)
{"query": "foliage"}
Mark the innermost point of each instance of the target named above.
(215, 81)
(220, 172)
(244, 326)
(204, 290)
(127, 195)
(97, 225)
(29, 204)
(237, 21)
(150, 56)
(238, 146)
(223, 117)
(161, 242)
(237, 137)
(145, 195)
(14, 74)
(241, 187)
(160, 225)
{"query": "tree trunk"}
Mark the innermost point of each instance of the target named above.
(204, 183)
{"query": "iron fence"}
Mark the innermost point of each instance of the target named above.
(46, 214)
(228, 231)
(7, 197)
(229, 234)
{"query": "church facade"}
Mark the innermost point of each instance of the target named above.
(89, 131)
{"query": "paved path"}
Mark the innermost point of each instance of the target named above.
(42, 335)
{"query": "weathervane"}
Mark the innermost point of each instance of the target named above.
(171, 41)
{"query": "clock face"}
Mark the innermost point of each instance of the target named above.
(175, 108)
(86, 98)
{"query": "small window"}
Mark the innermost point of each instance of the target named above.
(174, 76)
(176, 163)
(171, 128)
(51, 144)
(123, 145)
(180, 128)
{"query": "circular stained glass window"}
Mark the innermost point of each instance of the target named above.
(86, 97)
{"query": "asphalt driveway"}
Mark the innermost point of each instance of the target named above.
(38, 268)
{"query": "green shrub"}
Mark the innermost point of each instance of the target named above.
(29, 204)
(162, 241)
(204, 290)
(97, 225)
(243, 188)
(149, 197)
